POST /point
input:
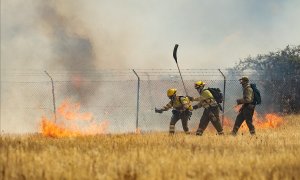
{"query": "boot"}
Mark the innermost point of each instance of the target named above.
(199, 132)
(172, 129)
(234, 131)
(221, 133)
(252, 132)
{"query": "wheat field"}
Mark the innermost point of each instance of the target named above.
(271, 154)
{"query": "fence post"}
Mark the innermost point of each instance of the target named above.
(0, 101)
(0, 105)
(138, 100)
(53, 95)
(224, 93)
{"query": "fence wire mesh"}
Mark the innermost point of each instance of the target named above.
(112, 95)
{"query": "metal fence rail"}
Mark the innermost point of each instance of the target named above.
(126, 98)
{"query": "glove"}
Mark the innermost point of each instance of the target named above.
(239, 101)
(195, 107)
(190, 98)
(158, 110)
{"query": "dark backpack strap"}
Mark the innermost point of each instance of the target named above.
(180, 99)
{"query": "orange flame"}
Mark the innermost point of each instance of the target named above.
(270, 120)
(70, 112)
(51, 129)
(70, 123)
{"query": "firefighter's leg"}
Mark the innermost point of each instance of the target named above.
(238, 122)
(175, 117)
(203, 122)
(184, 121)
(215, 120)
(248, 113)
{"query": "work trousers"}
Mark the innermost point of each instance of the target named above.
(246, 113)
(177, 115)
(210, 114)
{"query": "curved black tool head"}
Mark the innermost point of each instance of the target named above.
(175, 52)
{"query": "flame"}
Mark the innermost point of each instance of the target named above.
(267, 121)
(70, 112)
(70, 122)
(51, 129)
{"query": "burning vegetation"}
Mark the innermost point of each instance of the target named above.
(70, 122)
(272, 155)
(267, 121)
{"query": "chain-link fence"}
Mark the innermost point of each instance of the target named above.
(125, 98)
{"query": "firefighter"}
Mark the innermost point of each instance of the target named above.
(211, 109)
(182, 109)
(247, 109)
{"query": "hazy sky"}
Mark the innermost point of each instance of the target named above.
(74, 34)
(68, 35)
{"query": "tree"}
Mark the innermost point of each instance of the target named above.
(281, 74)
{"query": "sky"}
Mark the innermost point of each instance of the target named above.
(82, 35)
(99, 34)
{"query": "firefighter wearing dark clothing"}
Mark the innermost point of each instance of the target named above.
(247, 109)
(211, 109)
(181, 110)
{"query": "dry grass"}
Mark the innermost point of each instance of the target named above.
(272, 154)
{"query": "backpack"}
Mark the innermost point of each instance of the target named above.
(217, 94)
(257, 97)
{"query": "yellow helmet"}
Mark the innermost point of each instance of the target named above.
(199, 84)
(171, 92)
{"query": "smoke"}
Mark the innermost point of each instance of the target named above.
(139, 34)
(72, 38)
(65, 37)
(73, 50)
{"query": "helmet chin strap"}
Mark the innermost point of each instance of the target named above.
(172, 97)
(243, 82)
(199, 90)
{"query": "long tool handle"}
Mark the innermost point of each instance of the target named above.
(175, 57)
(182, 80)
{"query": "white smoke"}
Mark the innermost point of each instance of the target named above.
(79, 36)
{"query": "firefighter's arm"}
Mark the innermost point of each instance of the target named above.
(247, 97)
(206, 94)
(191, 98)
(186, 103)
(199, 105)
(239, 101)
(165, 108)
(201, 99)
